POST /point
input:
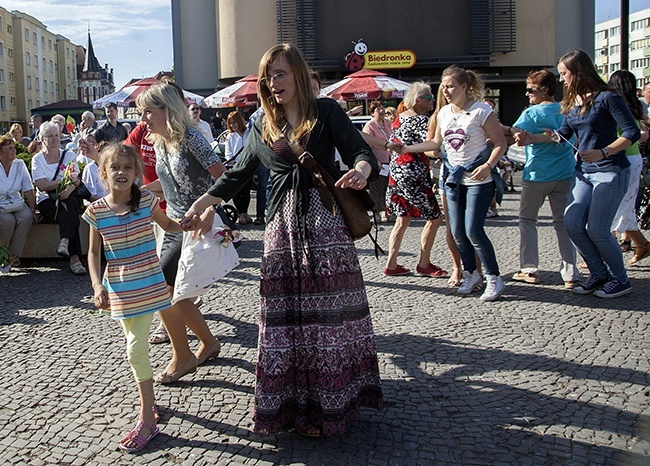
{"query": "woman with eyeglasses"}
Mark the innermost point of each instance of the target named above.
(410, 188)
(595, 114)
(470, 176)
(548, 174)
(317, 360)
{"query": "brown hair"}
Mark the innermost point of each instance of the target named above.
(274, 118)
(473, 81)
(585, 80)
(235, 117)
(112, 151)
(374, 105)
(5, 140)
(543, 78)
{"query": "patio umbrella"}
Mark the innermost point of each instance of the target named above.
(126, 96)
(367, 84)
(242, 93)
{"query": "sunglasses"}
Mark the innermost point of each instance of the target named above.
(195, 109)
(427, 97)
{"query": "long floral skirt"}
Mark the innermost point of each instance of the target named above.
(317, 360)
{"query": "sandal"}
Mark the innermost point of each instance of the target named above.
(640, 253)
(310, 432)
(77, 268)
(62, 250)
(626, 245)
(159, 335)
(139, 441)
(455, 279)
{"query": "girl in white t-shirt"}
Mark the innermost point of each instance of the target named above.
(464, 125)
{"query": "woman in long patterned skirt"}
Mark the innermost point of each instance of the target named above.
(317, 360)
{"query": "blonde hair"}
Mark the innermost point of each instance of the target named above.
(473, 81)
(15, 127)
(165, 96)
(440, 102)
(275, 122)
(413, 92)
(110, 153)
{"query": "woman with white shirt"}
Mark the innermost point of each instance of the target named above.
(14, 180)
(470, 179)
(234, 145)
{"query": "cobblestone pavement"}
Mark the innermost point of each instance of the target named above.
(541, 376)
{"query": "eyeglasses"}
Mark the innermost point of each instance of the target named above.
(195, 109)
(277, 77)
(530, 90)
(426, 96)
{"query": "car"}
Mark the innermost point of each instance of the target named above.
(517, 156)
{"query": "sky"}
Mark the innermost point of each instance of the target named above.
(138, 44)
(133, 36)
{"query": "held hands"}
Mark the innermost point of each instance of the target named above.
(395, 146)
(101, 297)
(523, 138)
(200, 223)
(352, 179)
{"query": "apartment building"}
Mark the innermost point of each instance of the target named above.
(37, 67)
(608, 45)
(217, 42)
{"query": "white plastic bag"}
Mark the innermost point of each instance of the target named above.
(205, 260)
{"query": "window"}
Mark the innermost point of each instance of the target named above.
(35, 61)
(49, 44)
(67, 52)
(44, 63)
(42, 42)
(38, 102)
(30, 104)
(614, 49)
(0, 22)
(51, 66)
(10, 52)
(12, 76)
(29, 82)
(28, 58)
(614, 31)
(3, 102)
(601, 35)
(52, 87)
(614, 67)
(45, 85)
(36, 84)
(68, 75)
(2, 49)
(35, 40)
(10, 30)
(13, 101)
(26, 35)
(2, 75)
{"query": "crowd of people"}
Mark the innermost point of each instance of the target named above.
(317, 360)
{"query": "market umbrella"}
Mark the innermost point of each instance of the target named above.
(367, 84)
(242, 93)
(126, 96)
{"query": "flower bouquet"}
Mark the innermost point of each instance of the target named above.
(70, 177)
(5, 259)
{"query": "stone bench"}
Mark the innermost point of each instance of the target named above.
(43, 240)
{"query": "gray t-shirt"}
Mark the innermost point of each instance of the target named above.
(189, 178)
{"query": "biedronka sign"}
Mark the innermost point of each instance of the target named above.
(360, 58)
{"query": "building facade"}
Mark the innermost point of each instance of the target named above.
(216, 42)
(94, 81)
(37, 67)
(608, 47)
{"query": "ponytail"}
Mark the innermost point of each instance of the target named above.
(136, 194)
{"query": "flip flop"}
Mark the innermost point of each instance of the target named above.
(159, 335)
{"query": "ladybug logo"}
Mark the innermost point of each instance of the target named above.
(354, 60)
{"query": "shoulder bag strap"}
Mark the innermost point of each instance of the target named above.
(58, 166)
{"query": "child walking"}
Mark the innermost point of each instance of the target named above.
(133, 286)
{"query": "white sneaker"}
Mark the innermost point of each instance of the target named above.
(494, 288)
(471, 282)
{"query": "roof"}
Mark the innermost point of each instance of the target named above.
(64, 105)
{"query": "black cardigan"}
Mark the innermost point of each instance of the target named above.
(333, 129)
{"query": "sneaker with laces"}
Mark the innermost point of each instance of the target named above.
(614, 289)
(591, 285)
(494, 288)
(471, 282)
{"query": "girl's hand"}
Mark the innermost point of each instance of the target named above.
(591, 155)
(101, 297)
(523, 138)
(352, 179)
(191, 218)
(481, 172)
(395, 146)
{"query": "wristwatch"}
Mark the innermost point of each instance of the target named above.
(605, 152)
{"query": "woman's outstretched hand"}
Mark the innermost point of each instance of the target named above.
(352, 179)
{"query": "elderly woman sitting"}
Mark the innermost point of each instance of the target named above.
(16, 133)
(16, 217)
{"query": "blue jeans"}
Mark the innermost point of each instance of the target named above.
(262, 190)
(592, 205)
(466, 220)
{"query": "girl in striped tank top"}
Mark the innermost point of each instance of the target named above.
(133, 286)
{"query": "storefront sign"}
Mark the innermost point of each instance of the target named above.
(389, 59)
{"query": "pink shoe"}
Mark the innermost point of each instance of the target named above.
(399, 270)
(135, 437)
(431, 271)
